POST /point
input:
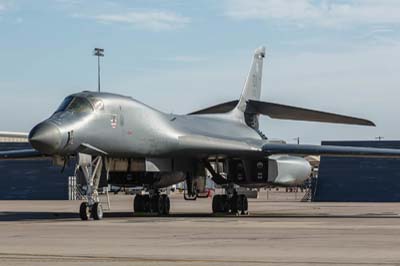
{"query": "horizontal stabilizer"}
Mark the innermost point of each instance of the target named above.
(327, 150)
(280, 111)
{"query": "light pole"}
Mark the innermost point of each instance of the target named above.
(298, 140)
(99, 52)
(379, 138)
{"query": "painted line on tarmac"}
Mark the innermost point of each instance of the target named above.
(88, 258)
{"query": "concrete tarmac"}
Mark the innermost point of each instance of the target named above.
(278, 231)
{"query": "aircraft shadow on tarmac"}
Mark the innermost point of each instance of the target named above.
(37, 216)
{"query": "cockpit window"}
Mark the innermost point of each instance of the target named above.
(64, 104)
(75, 104)
(97, 103)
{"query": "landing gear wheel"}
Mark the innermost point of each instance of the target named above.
(97, 211)
(215, 204)
(225, 203)
(139, 204)
(146, 203)
(244, 204)
(236, 204)
(166, 203)
(220, 204)
(160, 205)
(84, 212)
(153, 204)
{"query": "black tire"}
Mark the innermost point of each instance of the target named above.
(160, 204)
(166, 203)
(138, 203)
(234, 204)
(146, 203)
(97, 211)
(153, 204)
(84, 211)
(220, 204)
(225, 206)
(245, 205)
(216, 204)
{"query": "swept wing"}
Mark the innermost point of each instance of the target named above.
(287, 112)
(328, 150)
(209, 146)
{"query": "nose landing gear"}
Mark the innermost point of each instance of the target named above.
(91, 171)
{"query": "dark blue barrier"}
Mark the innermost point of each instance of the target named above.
(344, 179)
(35, 179)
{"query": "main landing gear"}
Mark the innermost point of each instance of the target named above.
(91, 171)
(152, 203)
(231, 202)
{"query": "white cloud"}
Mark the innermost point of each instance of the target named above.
(134, 15)
(322, 13)
(152, 20)
(3, 7)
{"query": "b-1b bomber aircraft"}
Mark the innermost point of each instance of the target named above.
(129, 143)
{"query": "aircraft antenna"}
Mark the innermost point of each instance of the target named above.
(99, 52)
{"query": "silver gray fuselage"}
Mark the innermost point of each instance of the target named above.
(120, 127)
(128, 128)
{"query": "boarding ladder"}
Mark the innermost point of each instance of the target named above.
(308, 196)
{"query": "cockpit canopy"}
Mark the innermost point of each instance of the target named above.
(79, 104)
(75, 104)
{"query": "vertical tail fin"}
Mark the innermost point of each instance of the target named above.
(252, 88)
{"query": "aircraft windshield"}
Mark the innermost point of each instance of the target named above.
(75, 104)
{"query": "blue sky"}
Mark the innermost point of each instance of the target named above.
(179, 56)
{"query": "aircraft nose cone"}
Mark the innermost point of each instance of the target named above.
(45, 137)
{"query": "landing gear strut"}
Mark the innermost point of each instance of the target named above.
(91, 171)
(190, 192)
(231, 202)
(152, 203)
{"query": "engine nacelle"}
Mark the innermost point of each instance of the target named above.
(277, 169)
(288, 170)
